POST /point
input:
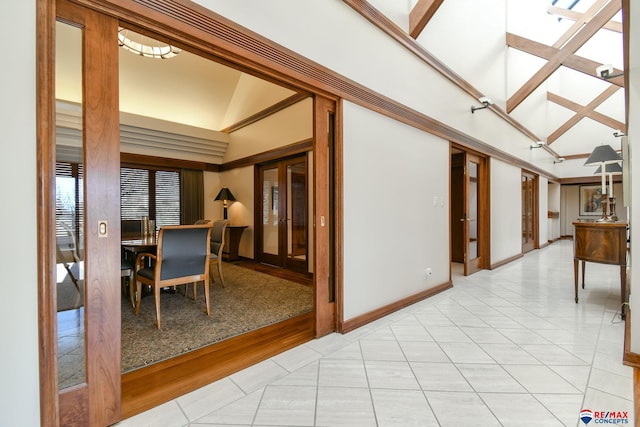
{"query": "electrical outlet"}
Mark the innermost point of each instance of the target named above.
(427, 272)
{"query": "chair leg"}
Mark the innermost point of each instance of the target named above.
(138, 293)
(206, 295)
(156, 292)
(220, 273)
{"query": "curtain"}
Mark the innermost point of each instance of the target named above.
(192, 200)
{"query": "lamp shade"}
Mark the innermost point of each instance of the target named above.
(613, 168)
(225, 194)
(602, 154)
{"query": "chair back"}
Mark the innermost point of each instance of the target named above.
(202, 221)
(217, 236)
(183, 250)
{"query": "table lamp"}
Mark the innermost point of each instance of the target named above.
(611, 169)
(226, 196)
(603, 155)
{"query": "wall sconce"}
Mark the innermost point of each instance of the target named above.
(604, 72)
(226, 196)
(559, 160)
(537, 144)
(619, 134)
(485, 103)
(604, 155)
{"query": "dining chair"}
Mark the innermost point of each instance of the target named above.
(182, 257)
(217, 244)
(202, 221)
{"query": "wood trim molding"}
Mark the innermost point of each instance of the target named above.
(271, 155)
(293, 99)
(197, 27)
(421, 14)
(358, 321)
(505, 261)
(129, 159)
(45, 134)
(592, 179)
(386, 25)
(629, 358)
(161, 382)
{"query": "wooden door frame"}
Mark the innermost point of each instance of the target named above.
(535, 181)
(95, 402)
(484, 198)
(189, 26)
(281, 259)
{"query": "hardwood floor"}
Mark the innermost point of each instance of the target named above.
(301, 278)
(161, 382)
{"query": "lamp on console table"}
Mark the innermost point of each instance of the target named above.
(226, 196)
(611, 169)
(603, 155)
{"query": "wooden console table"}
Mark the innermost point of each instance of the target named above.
(234, 233)
(605, 243)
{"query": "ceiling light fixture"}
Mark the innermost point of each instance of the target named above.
(485, 103)
(145, 46)
(559, 160)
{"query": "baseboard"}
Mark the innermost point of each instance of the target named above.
(505, 261)
(356, 322)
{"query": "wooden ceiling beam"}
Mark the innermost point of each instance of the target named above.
(421, 14)
(575, 62)
(584, 111)
(577, 16)
(579, 23)
(577, 41)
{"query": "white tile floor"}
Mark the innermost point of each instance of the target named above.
(504, 347)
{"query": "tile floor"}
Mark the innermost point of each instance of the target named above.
(507, 347)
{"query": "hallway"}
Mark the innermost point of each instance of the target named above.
(504, 347)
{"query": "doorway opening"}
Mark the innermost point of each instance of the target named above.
(469, 211)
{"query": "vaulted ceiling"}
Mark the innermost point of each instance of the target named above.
(548, 88)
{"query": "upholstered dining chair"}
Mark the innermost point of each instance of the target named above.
(182, 257)
(217, 244)
(202, 221)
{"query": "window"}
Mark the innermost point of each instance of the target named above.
(152, 193)
(69, 199)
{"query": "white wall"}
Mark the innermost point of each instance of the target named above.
(388, 241)
(506, 211)
(291, 125)
(634, 141)
(553, 205)
(19, 380)
(570, 207)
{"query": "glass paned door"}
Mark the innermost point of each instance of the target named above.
(472, 213)
(283, 231)
(528, 212)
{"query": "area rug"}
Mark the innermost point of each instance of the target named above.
(249, 301)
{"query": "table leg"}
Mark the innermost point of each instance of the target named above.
(583, 265)
(575, 276)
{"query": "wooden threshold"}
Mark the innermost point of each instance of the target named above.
(282, 273)
(161, 382)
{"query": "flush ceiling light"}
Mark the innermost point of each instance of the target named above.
(145, 46)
